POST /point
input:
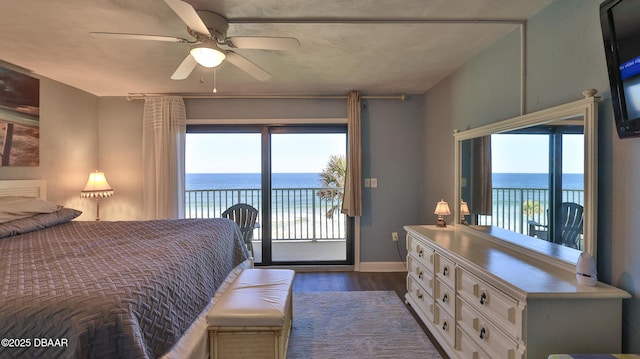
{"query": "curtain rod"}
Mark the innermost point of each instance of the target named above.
(132, 97)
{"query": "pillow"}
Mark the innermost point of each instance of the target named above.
(16, 207)
(38, 221)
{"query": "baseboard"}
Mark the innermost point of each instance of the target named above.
(316, 268)
(382, 267)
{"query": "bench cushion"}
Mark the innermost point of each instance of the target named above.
(257, 298)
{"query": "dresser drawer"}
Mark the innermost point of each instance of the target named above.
(487, 336)
(445, 325)
(445, 269)
(420, 273)
(423, 302)
(445, 297)
(490, 302)
(467, 348)
(420, 250)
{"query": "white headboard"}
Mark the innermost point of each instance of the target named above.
(30, 188)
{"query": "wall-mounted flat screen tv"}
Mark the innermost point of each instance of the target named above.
(620, 22)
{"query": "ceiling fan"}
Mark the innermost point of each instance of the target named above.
(209, 32)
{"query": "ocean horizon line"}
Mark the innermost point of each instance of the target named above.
(248, 180)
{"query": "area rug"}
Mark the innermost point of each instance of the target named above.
(362, 324)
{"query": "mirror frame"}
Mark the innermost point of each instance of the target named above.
(587, 109)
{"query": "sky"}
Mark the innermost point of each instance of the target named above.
(241, 152)
(308, 153)
(520, 153)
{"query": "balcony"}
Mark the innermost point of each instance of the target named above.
(300, 226)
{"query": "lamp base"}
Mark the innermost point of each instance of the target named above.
(441, 223)
(97, 209)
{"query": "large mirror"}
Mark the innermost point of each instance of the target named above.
(530, 181)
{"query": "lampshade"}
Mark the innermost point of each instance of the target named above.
(442, 208)
(208, 54)
(464, 208)
(97, 186)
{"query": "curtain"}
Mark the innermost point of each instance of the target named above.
(163, 142)
(481, 184)
(352, 201)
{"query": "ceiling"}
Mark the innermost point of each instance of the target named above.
(51, 38)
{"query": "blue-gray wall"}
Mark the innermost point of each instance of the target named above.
(564, 56)
(392, 148)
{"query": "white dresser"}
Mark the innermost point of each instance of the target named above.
(482, 300)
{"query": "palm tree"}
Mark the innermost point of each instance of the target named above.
(531, 207)
(332, 177)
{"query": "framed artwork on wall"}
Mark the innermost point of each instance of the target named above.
(19, 119)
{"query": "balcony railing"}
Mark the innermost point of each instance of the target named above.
(296, 213)
(514, 207)
(300, 214)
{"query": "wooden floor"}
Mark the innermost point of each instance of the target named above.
(358, 281)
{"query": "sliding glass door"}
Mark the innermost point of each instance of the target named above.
(294, 176)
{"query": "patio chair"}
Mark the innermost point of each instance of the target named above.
(572, 220)
(245, 217)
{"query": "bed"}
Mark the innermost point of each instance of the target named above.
(136, 289)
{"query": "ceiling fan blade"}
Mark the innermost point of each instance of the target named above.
(247, 66)
(114, 35)
(186, 67)
(188, 15)
(265, 43)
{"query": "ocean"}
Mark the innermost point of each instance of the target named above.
(200, 181)
(535, 180)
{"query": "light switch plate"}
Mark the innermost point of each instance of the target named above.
(374, 183)
(367, 182)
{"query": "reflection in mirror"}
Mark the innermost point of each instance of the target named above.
(534, 175)
(531, 172)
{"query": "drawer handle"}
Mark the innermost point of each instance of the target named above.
(420, 296)
(445, 271)
(421, 275)
(445, 326)
(483, 333)
(483, 298)
(421, 253)
(445, 298)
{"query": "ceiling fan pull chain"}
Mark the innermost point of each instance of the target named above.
(215, 90)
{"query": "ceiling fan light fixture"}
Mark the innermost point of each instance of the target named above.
(208, 54)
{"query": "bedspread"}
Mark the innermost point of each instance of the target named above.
(111, 289)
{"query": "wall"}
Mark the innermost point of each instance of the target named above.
(485, 90)
(120, 141)
(68, 145)
(564, 56)
(392, 150)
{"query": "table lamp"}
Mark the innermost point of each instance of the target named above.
(97, 187)
(464, 211)
(442, 209)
